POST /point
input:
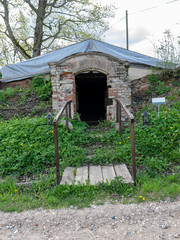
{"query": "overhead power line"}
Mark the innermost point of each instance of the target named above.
(142, 10)
(117, 22)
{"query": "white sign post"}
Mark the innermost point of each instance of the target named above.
(158, 101)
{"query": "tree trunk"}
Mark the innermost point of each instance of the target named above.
(38, 31)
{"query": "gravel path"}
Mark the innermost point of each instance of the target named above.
(144, 221)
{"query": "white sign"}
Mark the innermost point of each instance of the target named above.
(158, 101)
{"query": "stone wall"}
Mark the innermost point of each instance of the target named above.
(140, 86)
(64, 73)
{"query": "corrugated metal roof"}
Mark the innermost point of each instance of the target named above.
(39, 65)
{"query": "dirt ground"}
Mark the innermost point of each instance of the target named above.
(131, 222)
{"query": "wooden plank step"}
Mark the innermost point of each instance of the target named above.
(81, 175)
(68, 176)
(95, 175)
(122, 171)
(108, 173)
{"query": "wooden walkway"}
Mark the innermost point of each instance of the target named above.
(95, 174)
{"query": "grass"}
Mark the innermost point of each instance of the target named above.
(48, 195)
(27, 144)
(7, 93)
(27, 149)
(33, 100)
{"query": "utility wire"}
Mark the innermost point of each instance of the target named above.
(117, 22)
(172, 1)
(143, 10)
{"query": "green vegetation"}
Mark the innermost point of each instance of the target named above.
(27, 151)
(83, 19)
(42, 87)
(156, 86)
(7, 93)
(48, 195)
(176, 83)
(27, 101)
(168, 53)
(27, 144)
(162, 136)
(27, 148)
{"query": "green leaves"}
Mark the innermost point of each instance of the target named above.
(158, 144)
(27, 145)
(7, 93)
(42, 87)
(44, 26)
(156, 86)
(168, 51)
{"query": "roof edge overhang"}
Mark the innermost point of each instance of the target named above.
(22, 77)
(39, 65)
(88, 53)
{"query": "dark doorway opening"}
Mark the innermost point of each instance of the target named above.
(91, 91)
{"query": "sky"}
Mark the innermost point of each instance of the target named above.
(147, 20)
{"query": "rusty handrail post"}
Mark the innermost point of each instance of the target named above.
(133, 150)
(56, 152)
(120, 120)
(117, 112)
(119, 106)
(118, 116)
(67, 127)
(70, 110)
(55, 122)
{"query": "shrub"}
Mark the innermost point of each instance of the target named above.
(42, 87)
(157, 86)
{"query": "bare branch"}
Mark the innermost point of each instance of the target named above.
(31, 6)
(10, 32)
(51, 20)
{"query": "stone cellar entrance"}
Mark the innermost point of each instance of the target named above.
(91, 95)
(92, 81)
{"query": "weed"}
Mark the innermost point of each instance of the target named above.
(27, 145)
(7, 93)
(155, 165)
(42, 87)
(27, 148)
(158, 187)
(176, 83)
(105, 123)
(46, 194)
(156, 86)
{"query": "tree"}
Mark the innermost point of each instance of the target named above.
(34, 27)
(8, 53)
(168, 51)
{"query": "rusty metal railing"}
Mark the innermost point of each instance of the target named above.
(55, 122)
(119, 105)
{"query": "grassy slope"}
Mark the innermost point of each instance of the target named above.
(27, 148)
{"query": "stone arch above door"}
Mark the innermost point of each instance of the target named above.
(64, 73)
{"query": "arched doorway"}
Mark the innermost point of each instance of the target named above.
(92, 81)
(91, 95)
